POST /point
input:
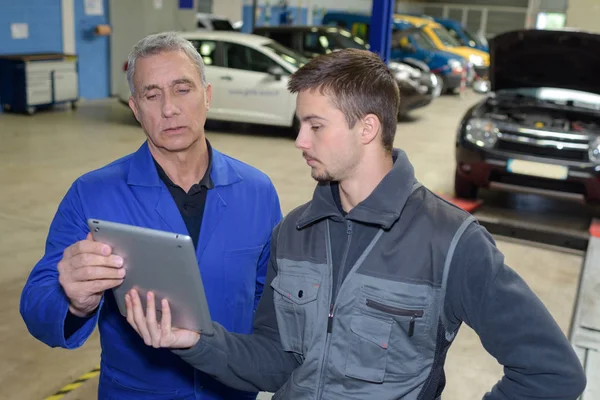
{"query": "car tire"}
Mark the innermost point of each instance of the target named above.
(464, 189)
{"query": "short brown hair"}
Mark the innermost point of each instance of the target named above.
(359, 83)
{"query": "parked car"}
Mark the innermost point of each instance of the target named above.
(464, 35)
(461, 33)
(539, 127)
(250, 75)
(408, 43)
(417, 84)
(443, 40)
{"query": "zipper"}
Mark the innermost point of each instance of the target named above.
(330, 315)
(340, 276)
(413, 314)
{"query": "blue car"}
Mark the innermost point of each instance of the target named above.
(463, 34)
(408, 43)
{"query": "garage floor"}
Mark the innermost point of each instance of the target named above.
(40, 156)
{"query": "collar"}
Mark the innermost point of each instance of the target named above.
(382, 207)
(143, 172)
(206, 181)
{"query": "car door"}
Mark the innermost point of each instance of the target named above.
(250, 92)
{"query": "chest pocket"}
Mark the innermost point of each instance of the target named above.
(295, 295)
(387, 336)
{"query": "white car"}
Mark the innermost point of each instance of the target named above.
(249, 76)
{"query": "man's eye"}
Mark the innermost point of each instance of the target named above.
(183, 91)
(152, 97)
(315, 128)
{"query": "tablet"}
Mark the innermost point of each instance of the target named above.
(162, 262)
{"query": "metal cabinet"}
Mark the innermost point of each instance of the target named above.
(29, 81)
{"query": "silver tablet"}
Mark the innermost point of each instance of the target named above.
(162, 262)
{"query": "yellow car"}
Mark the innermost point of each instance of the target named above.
(444, 41)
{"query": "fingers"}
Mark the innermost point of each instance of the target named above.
(87, 246)
(129, 307)
(139, 319)
(153, 327)
(94, 273)
(95, 260)
(165, 322)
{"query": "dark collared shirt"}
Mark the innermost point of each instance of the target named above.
(190, 204)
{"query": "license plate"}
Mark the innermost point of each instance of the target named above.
(542, 170)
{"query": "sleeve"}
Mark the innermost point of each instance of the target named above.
(512, 322)
(275, 217)
(44, 306)
(253, 362)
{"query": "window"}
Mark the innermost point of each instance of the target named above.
(287, 55)
(284, 38)
(446, 39)
(314, 44)
(206, 48)
(242, 57)
(345, 40)
(361, 30)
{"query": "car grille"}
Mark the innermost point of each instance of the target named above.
(541, 143)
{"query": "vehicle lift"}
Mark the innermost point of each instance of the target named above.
(584, 332)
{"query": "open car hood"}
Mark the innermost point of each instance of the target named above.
(540, 58)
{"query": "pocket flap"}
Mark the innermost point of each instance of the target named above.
(297, 288)
(374, 330)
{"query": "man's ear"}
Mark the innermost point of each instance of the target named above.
(133, 107)
(208, 96)
(371, 126)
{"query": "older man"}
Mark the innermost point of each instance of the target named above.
(174, 182)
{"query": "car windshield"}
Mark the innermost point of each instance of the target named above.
(558, 96)
(446, 39)
(288, 55)
(344, 40)
(472, 37)
(421, 39)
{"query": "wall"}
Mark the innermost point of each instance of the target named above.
(131, 20)
(584, 15)
(44, 24)
(489, 17)
(231, 9)
(300, 12)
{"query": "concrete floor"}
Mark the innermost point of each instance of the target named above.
(41, 155)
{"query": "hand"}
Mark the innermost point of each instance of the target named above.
(157, 334)
(86, 270)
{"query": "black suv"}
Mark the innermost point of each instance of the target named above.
(539, 128)
(418, 86)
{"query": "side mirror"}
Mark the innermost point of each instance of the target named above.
(276, 71)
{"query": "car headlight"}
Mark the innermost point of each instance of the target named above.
(455, 65)
(594, 150)
(476, 60)
(481, 132)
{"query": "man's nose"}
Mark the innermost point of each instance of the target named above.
(169, 108)
(303, 138)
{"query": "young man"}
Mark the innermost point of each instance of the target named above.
(175, 182)
(370, 281)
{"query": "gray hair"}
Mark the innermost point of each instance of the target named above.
(160, 43)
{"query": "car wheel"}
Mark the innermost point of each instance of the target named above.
(463, 188)
(439, 88)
